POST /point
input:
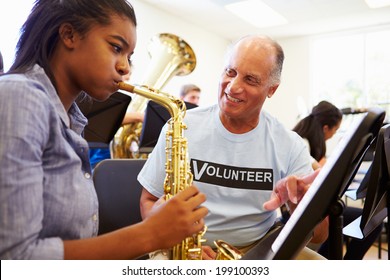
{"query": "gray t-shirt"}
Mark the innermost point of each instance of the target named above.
(237, 172)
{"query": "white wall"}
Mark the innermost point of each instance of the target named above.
(12, 16)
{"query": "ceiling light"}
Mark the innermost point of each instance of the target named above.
(373, 4)
(256, 13)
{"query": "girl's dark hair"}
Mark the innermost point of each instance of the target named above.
(1, 64)
(40, 33)
(311, 127)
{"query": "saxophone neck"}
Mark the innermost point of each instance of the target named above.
(175, 106)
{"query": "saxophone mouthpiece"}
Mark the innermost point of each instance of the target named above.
(126, 87)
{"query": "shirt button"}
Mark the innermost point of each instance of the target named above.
(87, 175)
(94, 218)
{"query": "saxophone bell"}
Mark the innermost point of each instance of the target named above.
(225, 251)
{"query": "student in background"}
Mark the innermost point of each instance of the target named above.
(190, 93)
(318, 127)
(1, 64)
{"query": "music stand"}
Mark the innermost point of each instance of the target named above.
(104, 118)
(324, 194)
(377, 202)
(361, 190)
(156, 116)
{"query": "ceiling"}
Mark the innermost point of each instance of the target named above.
(306, 17)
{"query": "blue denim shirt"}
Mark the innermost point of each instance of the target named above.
(46, 190)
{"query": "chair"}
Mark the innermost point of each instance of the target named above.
(118, 193)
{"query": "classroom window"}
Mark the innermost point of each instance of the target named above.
(352, 70)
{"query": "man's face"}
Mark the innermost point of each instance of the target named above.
(245, 83)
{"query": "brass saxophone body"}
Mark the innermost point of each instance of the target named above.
(177, 169)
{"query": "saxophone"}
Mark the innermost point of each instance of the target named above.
(178, 174)
(177, 168)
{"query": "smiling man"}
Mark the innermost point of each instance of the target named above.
(238, 152)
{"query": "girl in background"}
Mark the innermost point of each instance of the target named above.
(318, 127)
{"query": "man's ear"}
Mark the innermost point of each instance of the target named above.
(272, 90)
(67, 34)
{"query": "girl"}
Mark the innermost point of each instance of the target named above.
(322, 123)
(48, 205)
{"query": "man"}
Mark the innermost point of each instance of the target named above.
(239, 154)
(190, 93)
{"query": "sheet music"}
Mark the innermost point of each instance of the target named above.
(315, 186)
